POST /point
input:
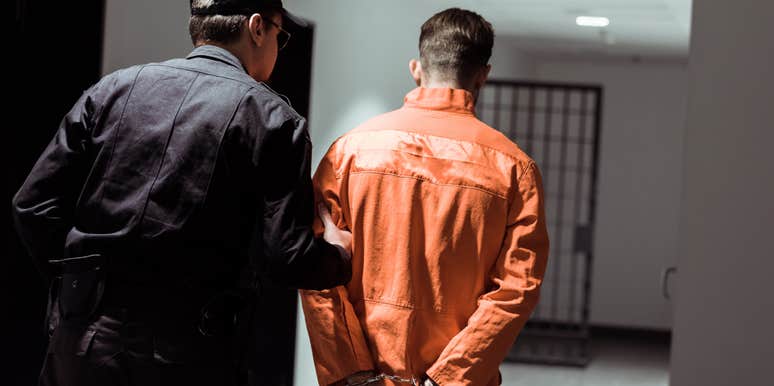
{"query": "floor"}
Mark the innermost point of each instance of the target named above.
(615, 361)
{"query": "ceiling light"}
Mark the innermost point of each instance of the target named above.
(592, 21)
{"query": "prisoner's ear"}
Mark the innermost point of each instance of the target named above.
(415, 68)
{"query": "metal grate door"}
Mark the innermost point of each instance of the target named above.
(558, 126)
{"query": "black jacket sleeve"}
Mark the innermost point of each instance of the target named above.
(43, 207)
(294, 256)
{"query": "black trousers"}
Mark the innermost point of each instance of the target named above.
(118, 349)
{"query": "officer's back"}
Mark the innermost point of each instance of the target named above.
(167, 192)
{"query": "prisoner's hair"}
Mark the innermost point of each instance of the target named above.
(454, 44)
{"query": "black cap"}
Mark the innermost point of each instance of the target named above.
(248, 7)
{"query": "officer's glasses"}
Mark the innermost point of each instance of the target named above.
(283, 37)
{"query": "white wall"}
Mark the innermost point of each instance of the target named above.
(509, 62)
(724, 321)
(639, 183)
(141, 31)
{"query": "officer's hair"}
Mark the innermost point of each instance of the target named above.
(219, 28)
(454, 44)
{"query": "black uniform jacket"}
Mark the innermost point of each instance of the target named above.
(180, 170)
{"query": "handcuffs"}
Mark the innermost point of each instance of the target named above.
(379, 377)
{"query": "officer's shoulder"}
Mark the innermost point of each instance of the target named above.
(127, 74)
(115, 81)
(267, 101)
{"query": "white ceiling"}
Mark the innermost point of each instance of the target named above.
(646, 28)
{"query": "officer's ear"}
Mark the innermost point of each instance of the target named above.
(255, 28)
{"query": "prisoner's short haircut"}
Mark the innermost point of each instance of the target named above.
(454, 44)
(218, 28)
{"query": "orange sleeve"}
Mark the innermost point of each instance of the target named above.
(474, 355)
(339, 347)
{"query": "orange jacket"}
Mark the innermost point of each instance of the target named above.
(449, 245)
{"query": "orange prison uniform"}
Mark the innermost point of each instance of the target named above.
(449, 245)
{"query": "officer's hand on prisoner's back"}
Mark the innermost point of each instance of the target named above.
(332, 233)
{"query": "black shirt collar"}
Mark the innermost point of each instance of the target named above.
(216, 53)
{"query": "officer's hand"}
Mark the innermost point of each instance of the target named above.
(332, 233)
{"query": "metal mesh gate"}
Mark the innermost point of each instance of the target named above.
(558, 126)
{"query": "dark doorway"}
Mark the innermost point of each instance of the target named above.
(558, 126)
(57, 55)
(275, 322)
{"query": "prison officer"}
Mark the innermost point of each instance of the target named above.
(168, 192)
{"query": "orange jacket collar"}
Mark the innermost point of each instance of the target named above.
(442, 99)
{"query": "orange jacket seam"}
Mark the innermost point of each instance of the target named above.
(430, 181)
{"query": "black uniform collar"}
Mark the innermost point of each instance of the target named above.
(216, 53)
